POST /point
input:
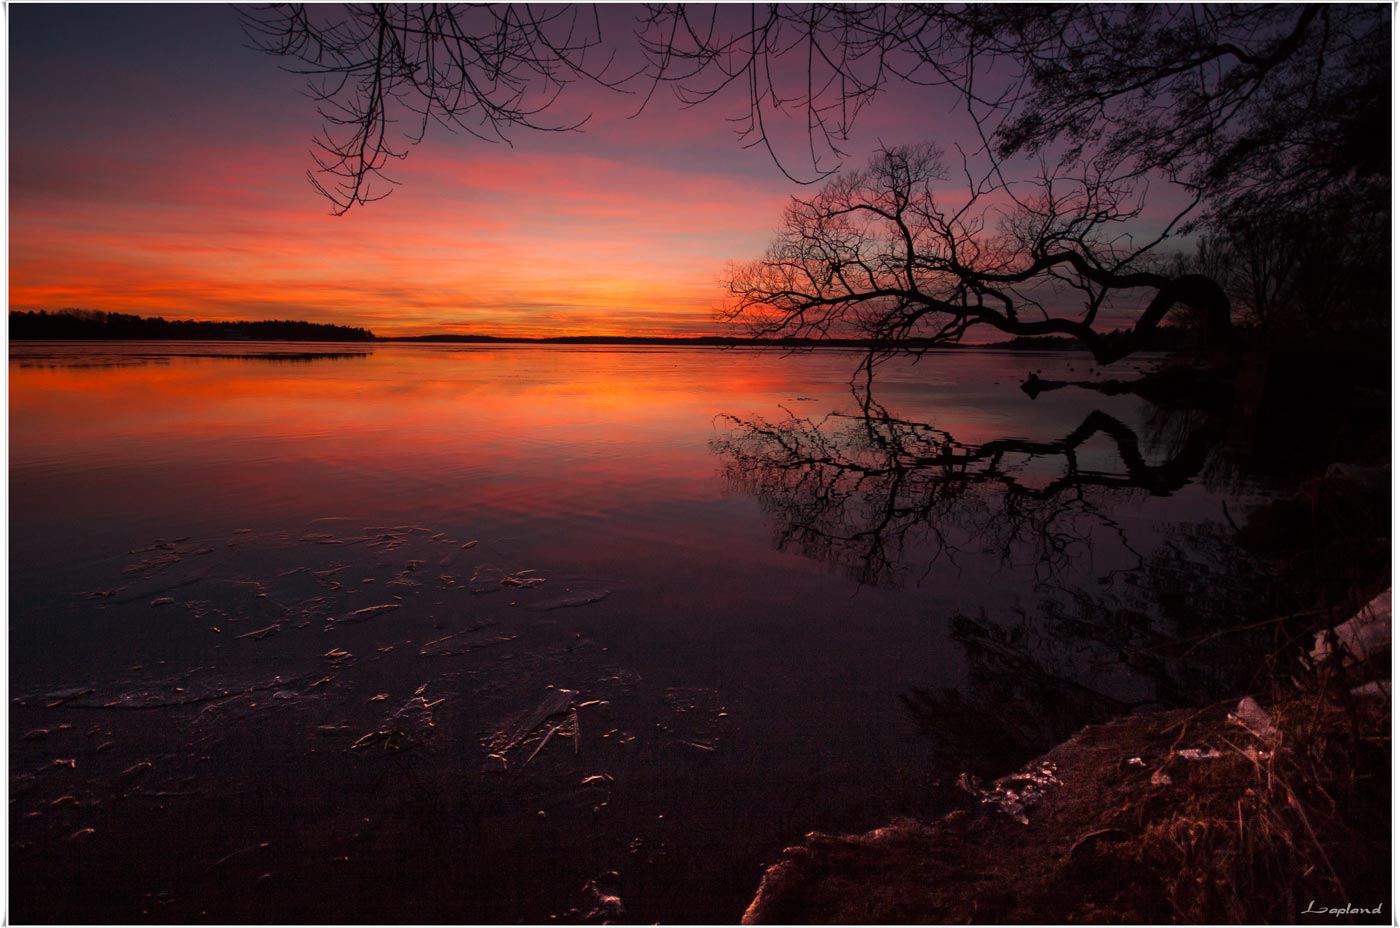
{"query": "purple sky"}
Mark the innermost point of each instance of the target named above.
(157, 166)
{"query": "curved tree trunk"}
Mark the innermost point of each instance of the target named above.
(1198, 293)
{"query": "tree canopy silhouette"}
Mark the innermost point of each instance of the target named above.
(95, 324)
(478, 69)
(881, 253)
(1262, 101)
(1243, 109)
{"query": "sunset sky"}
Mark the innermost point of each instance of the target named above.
(157, 166)
(158, 162)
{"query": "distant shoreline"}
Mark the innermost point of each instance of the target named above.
(88, 325)
(620, 341)
(728, 341)
(91, 325)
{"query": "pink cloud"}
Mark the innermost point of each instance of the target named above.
(605, 244)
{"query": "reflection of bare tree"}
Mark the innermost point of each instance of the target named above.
(875, 493)
(1010, 708)
(1182, 631)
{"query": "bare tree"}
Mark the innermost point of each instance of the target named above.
(1311, 269)
(1263, 254)
(1262, 101)
(1237, 101)
(383, 74)
(1246, 110)
(885, 253)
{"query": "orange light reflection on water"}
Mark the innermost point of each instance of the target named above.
(521, 430)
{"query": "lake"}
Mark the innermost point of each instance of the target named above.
(423, 633)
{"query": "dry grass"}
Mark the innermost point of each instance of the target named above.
(1275, 825)
(1137, 833)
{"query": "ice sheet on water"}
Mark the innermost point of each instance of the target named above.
(408, 726)
(155, 582)
(282, 620)
(491, 578)
(572, 598)
(464, 642)
(1016, 793)
(261, 633)
(697, 717)
(298, 585)
(162, 554)
(195, 686)
(556, 714)
(369, 612)
(598, 902)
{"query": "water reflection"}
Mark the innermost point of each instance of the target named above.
(874, 493)
(1173, 634)
(886, 499)
(226, 575)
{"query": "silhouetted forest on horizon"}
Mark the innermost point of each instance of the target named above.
(92, 324)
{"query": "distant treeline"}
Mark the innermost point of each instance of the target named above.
(82, 323)
(1166, 338)
(91, 324)
(707, 341)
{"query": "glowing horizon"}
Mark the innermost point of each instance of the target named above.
(157, 168)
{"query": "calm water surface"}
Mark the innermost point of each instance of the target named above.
(428, 633)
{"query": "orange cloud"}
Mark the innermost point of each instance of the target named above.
(526, 243)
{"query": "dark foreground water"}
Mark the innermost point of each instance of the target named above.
(420, 633)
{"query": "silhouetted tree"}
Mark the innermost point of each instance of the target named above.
(878, 252)
(1311, 269)
(1250, 111)
(1234, 100)
(1245, 109)
(383, 73)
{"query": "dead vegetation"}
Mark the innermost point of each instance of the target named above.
(1276, 825)
(1223, 815)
